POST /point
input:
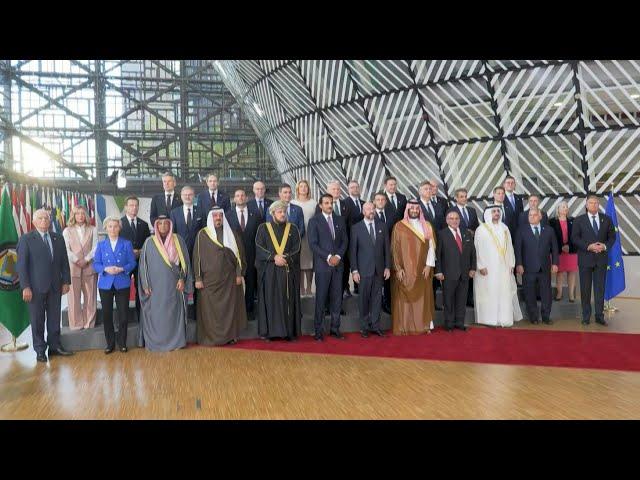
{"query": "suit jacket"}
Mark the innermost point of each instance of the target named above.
(402, 204)
(296, 217)
(474, 223)
(555, 224)
(321, 243)
(437, 221)
(443, 203)
(122, 256)
(524, 219)
(252, 205)
(512, 216)
(252, 221)
(345, 212)
(142, 232)
(159, 205)
(583, 235)
(536, 255)
(204, 202)
(388, 220)
(355, 213)
(367, 258)
(198, 222)
(36, 269)
(449, 261)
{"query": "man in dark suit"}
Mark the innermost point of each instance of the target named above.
(536, 251)
(593, 235)
(468, 215)
(438, 201)
(259, 205)
(385, 216)
(397, 202)
(188, 219)
(246, 223)
(370, 253)
(340, 209)
(513, 206)
(432, 210)
(354, 204)
(295, 214)
(455, 265)
(328, 241)
(43, 270)
(136, 231)
(163, 203)
(534, 202)
(212, 197)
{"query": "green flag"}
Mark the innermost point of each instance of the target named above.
(13, 311)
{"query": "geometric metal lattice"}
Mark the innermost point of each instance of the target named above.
(562, 128)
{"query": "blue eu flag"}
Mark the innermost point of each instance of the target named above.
(615, 269)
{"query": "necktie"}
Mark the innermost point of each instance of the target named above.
(336, 207)
(133, 227)
(594, 224)
(330, 222)
(393, 200)
(459, 241)
(168, 202)
(382, 217)
(536, 232)
(431, 211)
(189, 218)
(213, 199)
(434, 202)
(242, 222)
(260, 207)
(357, 202)
(47, 240)
(372, 233)
(465, 215)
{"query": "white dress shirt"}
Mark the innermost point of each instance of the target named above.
(185, 209)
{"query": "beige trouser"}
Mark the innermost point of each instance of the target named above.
(80, 317)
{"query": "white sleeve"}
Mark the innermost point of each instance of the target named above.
(431, 255)
(479, 251)
(94, 244)
(70, 254)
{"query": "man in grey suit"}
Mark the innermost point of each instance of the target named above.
(43, 269)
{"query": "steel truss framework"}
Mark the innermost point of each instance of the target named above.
(72, 119)
(564, 129)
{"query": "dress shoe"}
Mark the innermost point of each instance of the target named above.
(449, 329)
(547, 321)
(386, 310)
(342, 312)
(318, 337)
(337, 335)
(602, 322)
(109, 350)
(364, 334)
(463, 328)
(572, 300)
(346, 294)
(379, 333)
(59, 351)
(534, 322)
(585, 322)
(41, 357)
(124, 349)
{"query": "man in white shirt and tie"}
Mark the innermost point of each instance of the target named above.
(163, 203)
(212, 197)
(395, 198)
(259, 205)
(431, 210)
(513, 206)
(468, 215)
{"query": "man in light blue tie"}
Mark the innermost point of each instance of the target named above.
(43, 270)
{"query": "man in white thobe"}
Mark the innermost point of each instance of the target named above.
(494, 286)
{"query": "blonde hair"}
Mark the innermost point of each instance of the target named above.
(72, 218)
(564, 202)
(300, 182)
(109, 219)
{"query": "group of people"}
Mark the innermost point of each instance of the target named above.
(258, 258)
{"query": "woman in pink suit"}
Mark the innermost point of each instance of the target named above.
(562, 224)
(81, 239)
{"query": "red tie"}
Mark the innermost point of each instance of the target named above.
(459, 241)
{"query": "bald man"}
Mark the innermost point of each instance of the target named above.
(259, 204)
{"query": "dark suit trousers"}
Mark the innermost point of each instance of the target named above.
(596, 277)
(250, 279)
(122, 304)
(531, 281)
(328, 287)
(346, 272)
(454, 296)
(41, 305)
(387, 294)
(370, 302)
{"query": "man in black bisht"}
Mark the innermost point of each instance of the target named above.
(278, 264)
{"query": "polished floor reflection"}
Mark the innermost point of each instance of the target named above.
(220, 383)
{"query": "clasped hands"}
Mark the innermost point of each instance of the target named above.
(113, 270)
(334, 260)
(280, 260)
(596, 247)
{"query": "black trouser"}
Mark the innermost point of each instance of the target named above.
(41, 305)
(122, 305)
(454, 300)
(595, 276)
(531, 283)
(387, 294)
(470, 293)
(250, 278)
(346, 273)
(436, 285)
(370, 302)
(328, 287)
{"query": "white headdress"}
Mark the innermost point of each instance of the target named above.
(228, 238)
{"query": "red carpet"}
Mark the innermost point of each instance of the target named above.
(610, 351)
